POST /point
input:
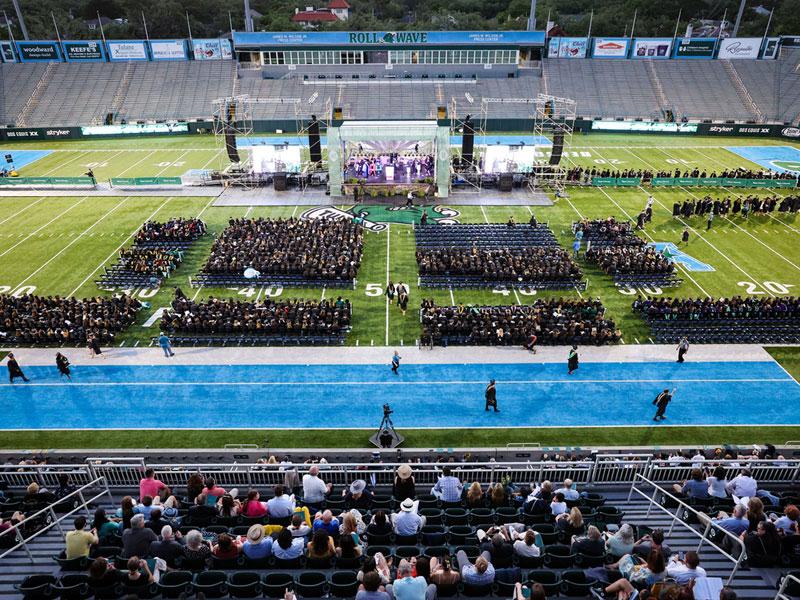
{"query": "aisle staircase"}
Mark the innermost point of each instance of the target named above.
(742, 92)
(33, 101)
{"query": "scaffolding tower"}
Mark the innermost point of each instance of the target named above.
(304, 115)
(233, 118)
(553, 117)
(468, 171)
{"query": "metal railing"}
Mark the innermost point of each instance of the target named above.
(685, 509)
(788, 580)
(51, 519)
(601, 469)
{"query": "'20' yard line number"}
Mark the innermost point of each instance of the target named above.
(779, 289)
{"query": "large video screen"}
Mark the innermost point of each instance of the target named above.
(508, 159)
(282, 158)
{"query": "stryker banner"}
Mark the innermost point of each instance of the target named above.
(127, 50)
(168, 49)
(610, 48)
(38, 52)
(91, 51)
(651, 48)
(737, 48)
(694, 48)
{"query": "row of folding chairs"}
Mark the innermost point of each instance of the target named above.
(456, 282)
(224, 280)
(256, 340)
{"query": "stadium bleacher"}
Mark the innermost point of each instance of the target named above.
(613, 488)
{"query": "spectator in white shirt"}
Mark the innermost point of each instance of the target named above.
(743, 485)
(568, 491)
(686, 570)
(558, 506)
(717, 482)
(314, 489)
(280, 506)
(526, 545)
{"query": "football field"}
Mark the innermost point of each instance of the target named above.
(53, 244)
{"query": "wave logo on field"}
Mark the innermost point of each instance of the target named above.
(679, 257)
(789, 165)
(374, 217)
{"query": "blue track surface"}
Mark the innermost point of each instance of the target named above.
(455, 140)
(450, 395)
(775, 158)
(22, 158)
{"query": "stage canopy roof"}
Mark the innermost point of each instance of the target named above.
(373, 131)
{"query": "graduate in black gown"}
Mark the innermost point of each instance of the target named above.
(13, 369)
(62, 363)
(572, 360)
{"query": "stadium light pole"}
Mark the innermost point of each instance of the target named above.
(531, 18)
(102, 31)
(633, 25)
(722, 23)
(589, 32)
(58, 34)
(677, 23)
(22, 27)
(738, 18)
(144, 22)
(189, 27)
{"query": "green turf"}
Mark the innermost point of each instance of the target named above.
(59, 245)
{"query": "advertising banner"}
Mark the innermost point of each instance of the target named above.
(739, 129)
(790, 41)
(644, 126)
(695, 48)
(651, 48)
(610, 48)
(38, 52)
(127, 50)
(738, 48)
(168, 49)
(83, 51)
(552, 47)
(211, 49)
(572, 47)
(771, 48)
(135, 128)
(7, 52)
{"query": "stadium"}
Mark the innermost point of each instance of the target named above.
(332, 310)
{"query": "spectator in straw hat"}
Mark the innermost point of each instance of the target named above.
(358, 496)
(404, 484)
(257, 545)
(408, 521)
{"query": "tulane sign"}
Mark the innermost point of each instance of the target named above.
(388, 37)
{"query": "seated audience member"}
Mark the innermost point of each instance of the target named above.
(136, 540)
(404, 486)
(105, 528)
(539, 500)
(321, 546)
(253, 507)
(591, 544)
(226, 548)
(695, 487)
(622, 542)
(789, 523)
(379, 524)
(64, 488)
(408, 587)
(149, 485)
(156, 521)
(480, 573)
(558, 506)
(641, 574)
(371, 588)
(281, 505)
(717, 483)
(288, 547)
(78, 541)
(755, 513)
(351, 525)
(378, 565)
(138, 575)
(168, 548)
(145, 507)
(737, 523)
(196, 549)
(526, 544)
(326, 521)
(228, 506)
(473, 498)
(686, 570)
(497, 545)
(258, 545)
(347, 548)
(496, 495)
(407, 521)
(298, 527)
(315, 491)
(211, 493)
(448, 488)
(358, 496)
(125, 512)
(102, 574)
(535, 592)
(568, 492)
(442, 573)
(571, 523)
(763, 545)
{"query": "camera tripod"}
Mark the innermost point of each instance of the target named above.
(386, 429)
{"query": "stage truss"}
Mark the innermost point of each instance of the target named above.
(312, 172)
(237, 123)
(469, 171)
(553, 115)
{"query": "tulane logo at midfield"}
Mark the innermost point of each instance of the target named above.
(375, 217)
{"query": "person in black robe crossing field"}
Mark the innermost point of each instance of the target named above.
(572, 360)
(661, 402)
(62, 363)
(13, 369)
(491, 396)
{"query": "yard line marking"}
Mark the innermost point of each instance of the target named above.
(294, 212)
(388, 226)
(324, 288)
(384, 382)
(452, 298)
(30, 235)
(248, 212)
(516, 295)
(23, 209)
(484, 214)
(114, 252)
(197, 293)
(77, 238)
(258, 295)
(574, 208)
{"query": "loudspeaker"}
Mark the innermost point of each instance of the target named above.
(506, 182)
(109, 118)
(558, 147)
(230, 145)
(337, 113)
(441, 112)
(314, 146)
(468, 141)
(279, 182)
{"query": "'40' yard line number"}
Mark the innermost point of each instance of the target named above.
(267, 291)
(521, 291)
(773, 287)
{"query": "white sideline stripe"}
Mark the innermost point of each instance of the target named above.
(76, 239)
(385, 383)
(484, 214)
(683, 269)
(388, 237)
(574, 208)
(697, 234)
(58, 216)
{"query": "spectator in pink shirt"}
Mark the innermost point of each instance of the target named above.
(150, 486)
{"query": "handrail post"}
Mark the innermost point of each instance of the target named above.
(83, 502)
(56, 522)
(21, 542)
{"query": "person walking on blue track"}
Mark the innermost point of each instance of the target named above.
(396, 362)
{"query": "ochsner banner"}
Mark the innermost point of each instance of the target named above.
(652, 47)
(610, 48)
(734, 48)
